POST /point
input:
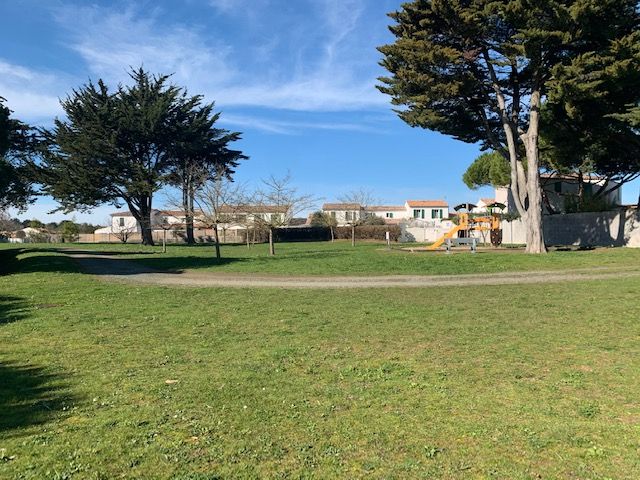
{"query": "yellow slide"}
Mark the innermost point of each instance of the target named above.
(438, 243)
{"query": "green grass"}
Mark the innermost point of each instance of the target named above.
(538, 381)
(340, 258)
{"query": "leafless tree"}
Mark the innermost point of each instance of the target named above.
(124, 233)
(279, 202)
(364, 198)
(221, 201)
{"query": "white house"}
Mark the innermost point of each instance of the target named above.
(481, 205)
(434, 210)
(346, 213)
(559, 190)
(124, 221)
(236, 218)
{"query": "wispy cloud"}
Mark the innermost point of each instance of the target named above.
(287, 127)
(330, 80)
(31, 94)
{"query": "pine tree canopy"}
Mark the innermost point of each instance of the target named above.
(450, 54)
(124, 145)
(18, 148)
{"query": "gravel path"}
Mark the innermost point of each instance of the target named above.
(119, 270)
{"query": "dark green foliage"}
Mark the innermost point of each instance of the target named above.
(479, 71)
(18, 146)
(588, 123)
(320, 219)
(202, 152)
(489, 169)
(373, 220)
(123, 146)
(69, 231)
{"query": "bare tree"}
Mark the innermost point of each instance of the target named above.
(166, 226)
(221, 202)
(124, 233)
(278, 202)
(363, 198)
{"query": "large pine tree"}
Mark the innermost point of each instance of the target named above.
(123, 146)
(18, 148)
(480, 70)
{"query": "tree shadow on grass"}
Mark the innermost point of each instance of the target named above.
(179, 263)
(16, 260)
(30, 395)
(12, 309)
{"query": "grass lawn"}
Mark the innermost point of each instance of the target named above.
(102, 380)
(340, 258)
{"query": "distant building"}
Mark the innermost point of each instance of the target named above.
(347, 213)
(560, 190)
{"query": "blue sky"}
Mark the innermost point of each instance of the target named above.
(296, 77)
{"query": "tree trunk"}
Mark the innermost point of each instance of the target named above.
(187, 206)
(272, 250)
(164, 241)
(143, 215)
(217, 238)
(332, 235)
(533, 220)
(353, 235)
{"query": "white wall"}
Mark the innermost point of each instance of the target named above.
(130, 223)
(425, 231)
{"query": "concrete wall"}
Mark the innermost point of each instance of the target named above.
(599, 229)
(424, 231)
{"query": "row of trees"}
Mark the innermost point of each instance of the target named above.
(118, 146)
(518, 77)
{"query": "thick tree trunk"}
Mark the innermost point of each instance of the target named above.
(353, 235)
(332, 235)
(217, 238)
(272, 250)
(143, 215)
(187, 206)
(533, 221)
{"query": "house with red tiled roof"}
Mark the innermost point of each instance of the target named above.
(347, 213)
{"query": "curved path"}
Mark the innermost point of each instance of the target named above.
(117, 269)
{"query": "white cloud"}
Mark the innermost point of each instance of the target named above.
(31, 94)
(286, 127)
(111, 41)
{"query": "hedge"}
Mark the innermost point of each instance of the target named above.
(370, 232)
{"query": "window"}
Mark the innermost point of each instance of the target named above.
(436, 213)
(389, 215)
(418, 213)
(333, 215)
(121, 221)
(347, 216)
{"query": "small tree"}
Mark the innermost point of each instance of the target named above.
(69, 231)
(125, 233)
(219, 201)
(322, 219)
(279, 202)
(363, 198)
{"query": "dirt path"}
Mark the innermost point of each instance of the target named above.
(119, 270)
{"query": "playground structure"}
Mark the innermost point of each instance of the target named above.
(461, 234)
